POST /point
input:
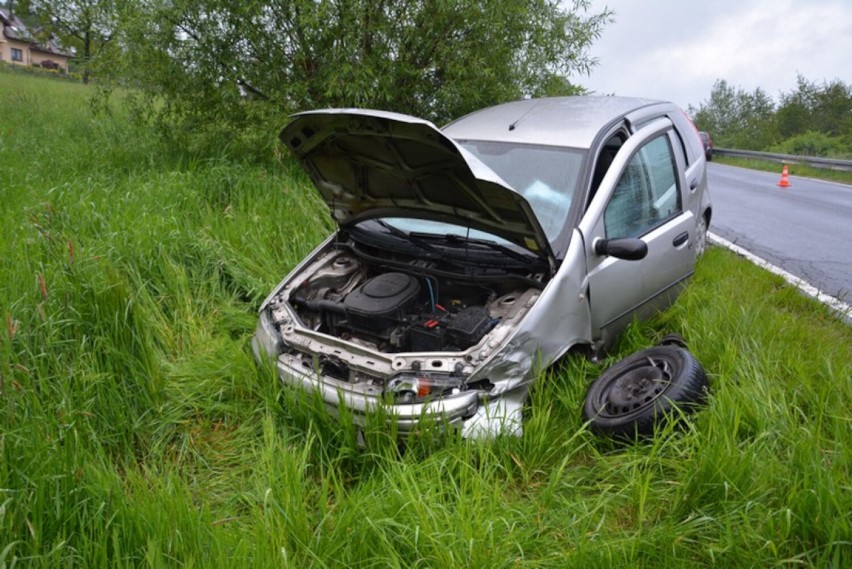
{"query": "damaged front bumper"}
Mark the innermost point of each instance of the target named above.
(477, 413)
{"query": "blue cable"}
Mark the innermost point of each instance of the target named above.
(431, 292)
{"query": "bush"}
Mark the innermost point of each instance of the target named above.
(436, 60)
(36, 69)
(815, 144)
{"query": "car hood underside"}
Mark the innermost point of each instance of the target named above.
(373, 164)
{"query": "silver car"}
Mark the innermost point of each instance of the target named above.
(471, 257)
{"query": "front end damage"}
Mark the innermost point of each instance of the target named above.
(365, 334)
(409, 335)
(437, 295)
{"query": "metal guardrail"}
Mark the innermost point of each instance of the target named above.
(816, 162)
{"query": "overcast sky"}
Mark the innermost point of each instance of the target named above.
(676, 49)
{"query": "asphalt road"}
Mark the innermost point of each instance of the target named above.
(805, 229)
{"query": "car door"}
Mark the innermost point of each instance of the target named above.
(642, 196)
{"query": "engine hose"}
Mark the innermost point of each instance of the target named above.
(319, 305)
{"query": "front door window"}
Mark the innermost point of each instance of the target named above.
(646, 195)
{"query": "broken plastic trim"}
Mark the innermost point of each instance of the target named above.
(419, 388)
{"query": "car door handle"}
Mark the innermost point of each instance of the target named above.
(680, 239)
(693, 184)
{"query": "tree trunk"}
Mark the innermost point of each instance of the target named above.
(87, 53)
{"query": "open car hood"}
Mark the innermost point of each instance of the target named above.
(372, 164)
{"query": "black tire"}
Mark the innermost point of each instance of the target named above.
(641, 390)
(673, 340)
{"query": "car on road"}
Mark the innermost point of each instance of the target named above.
(468, 258)
(708, 144)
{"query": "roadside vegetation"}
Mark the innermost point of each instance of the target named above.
(136, 429)
(794, 168)
(811, 120)
(212, 73)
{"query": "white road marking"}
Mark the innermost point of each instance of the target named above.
(843, 310)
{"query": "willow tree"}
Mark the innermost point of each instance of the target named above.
(87, 26)
(223, 66)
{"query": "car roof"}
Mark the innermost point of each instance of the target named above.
(557, 121)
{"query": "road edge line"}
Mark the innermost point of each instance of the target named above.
(840, 308)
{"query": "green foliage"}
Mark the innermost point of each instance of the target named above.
(6, 67)
(136, 430)
(220, 71)
(826, 109)
(736, 118)
(813, 143)
(813, 120)
(85, 25)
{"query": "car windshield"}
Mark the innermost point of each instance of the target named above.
(545, 175)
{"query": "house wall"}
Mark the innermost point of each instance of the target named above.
(39, 56)
(6, 46)
(30, 56)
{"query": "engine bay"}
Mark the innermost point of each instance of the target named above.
(403, 303)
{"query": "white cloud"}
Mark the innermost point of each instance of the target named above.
(676, 50)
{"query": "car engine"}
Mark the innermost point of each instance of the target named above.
(401, 308)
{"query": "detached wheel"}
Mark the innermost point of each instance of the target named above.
(639, 391)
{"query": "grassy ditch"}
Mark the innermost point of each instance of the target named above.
(795, 168)
(136, 429)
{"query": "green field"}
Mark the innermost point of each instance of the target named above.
(136, 429)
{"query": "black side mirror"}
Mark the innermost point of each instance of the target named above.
(629, 249)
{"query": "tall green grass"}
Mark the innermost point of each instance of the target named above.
(135, 428)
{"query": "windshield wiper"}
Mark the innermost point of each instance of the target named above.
(410, 237)
(459, 241)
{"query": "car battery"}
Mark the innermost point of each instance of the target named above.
(427, 334)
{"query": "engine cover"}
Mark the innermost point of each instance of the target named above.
(381, 302)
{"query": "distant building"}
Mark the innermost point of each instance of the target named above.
(19, 46)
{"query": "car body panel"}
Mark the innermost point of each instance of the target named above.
(666, 264)
(370, 164)
(558, 121)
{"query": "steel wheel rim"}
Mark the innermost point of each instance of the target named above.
(640, 386)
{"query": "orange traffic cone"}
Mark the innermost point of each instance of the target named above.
(785, 178)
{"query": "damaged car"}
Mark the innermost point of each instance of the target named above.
(469, 258)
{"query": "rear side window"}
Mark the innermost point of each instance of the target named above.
(646, 194)
(688, 136)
